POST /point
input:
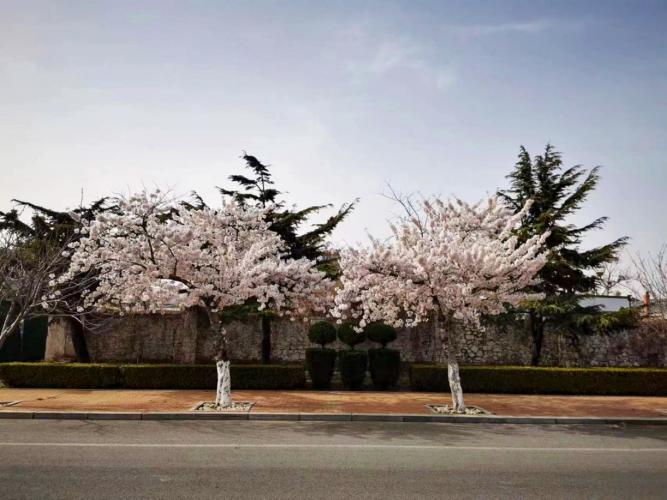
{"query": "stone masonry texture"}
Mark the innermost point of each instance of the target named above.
(186, 338)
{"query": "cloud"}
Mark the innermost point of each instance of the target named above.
(370, 56)
(534, 27)
(393, 54)
(482, 30)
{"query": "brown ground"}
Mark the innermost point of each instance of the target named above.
(82, 400)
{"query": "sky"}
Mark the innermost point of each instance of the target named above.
(340, 98)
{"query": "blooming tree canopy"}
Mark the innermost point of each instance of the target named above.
(446, 261)
(154, 253)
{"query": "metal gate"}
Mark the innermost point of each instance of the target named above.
(29, 343)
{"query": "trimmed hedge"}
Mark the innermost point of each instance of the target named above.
(349, 336)
(544, 380)
(166, 376)
(148, 376)
(385, 367)
(489, 379)
(352, 366)
(70, 375)
(320, 364)
(381, 333)
(322, 333)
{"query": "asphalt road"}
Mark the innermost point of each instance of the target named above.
(228, 459)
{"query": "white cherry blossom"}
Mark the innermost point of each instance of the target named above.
(154, 253)
(448, 261)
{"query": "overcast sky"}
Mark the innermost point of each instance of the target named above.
(339, 97)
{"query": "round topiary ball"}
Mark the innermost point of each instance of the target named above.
(380, 333)
(322, 333)
(349, 336)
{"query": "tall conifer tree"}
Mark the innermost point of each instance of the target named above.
(258, 190)
(557, 193)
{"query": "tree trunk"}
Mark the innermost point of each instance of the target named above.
(266, 339)
(3, 338)
(455, 384)
(10, 324)
(223, 393)
(536, 326)
(453, 375)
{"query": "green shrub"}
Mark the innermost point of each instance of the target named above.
(149, 376)
(349, 336)
(385, 367)
(167, 376)
(322, 333)
(608, 321)
(320, 364)
(61, 375)
(352, 366)
(268, 377)
(170, 376)
(544, 380)
(380, 333)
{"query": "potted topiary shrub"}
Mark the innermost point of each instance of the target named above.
(320, 361)
(351, 363)
(385, 363)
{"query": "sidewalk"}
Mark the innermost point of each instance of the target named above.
(329, 402)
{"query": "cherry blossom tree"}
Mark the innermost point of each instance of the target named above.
(449, 262)
(154, 252)
(25, 271)
(31, 255)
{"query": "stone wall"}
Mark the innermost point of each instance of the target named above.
(59, 343)
(185, 338)
(642, 346)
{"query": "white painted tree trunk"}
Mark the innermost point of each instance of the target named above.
(453, 375)
(223, 394)
(455, 384)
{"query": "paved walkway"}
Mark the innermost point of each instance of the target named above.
(82, 400)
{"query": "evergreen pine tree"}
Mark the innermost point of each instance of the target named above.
(50, 229)
(258, 190)
(557, 193)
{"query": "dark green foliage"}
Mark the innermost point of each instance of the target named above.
(380, 333)
(557, 194)
(352, 366)
(204, 376)
(533, 380)
(322, 333)
(37, 244)
(385, 367)
(158, 376)
(349, 336)
(258, 190)
(268, 377)
(320, 364)
(65, 375)
(607, 322)
(49, 225)
(164, 376)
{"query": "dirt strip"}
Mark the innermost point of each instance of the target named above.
(78, 400)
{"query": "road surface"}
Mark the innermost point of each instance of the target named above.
(206, 459)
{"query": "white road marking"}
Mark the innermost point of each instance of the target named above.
(331, 446)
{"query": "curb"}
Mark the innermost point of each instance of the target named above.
(331, 417)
